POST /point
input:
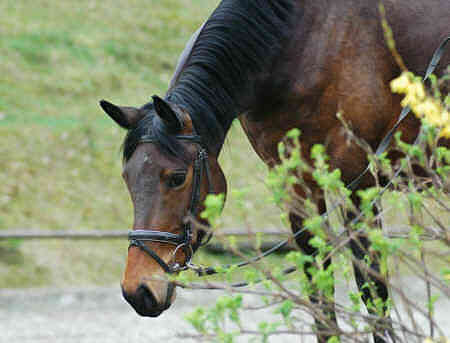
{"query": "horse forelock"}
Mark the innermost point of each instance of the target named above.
(152, 125)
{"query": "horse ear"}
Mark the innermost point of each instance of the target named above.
(126, 117)
(167, 114)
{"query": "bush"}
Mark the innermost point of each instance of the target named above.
(425, 199)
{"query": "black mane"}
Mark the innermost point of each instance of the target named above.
(232, 55)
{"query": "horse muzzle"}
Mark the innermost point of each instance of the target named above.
(148, 301)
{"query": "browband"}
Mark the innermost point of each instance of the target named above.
(191, 138)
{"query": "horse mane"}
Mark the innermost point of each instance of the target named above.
(235, 49)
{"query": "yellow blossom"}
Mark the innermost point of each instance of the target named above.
(431, 110)
(400, 84)
(417, 90)
(410, 100)
(446, 133)
(423, 105)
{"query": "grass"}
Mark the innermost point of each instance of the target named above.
(60, 153)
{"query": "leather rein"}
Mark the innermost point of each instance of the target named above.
(183, 241)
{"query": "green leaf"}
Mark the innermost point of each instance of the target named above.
(197, 319)
(285, 308)
(213, 208)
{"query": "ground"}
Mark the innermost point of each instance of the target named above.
(100, 315)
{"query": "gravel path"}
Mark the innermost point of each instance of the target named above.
(100, 315)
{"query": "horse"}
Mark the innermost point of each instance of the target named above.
(275, 65)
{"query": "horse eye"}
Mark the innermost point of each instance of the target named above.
(176, 180)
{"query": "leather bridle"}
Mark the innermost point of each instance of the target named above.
(183, 241)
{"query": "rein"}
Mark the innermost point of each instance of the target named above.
(184, 240)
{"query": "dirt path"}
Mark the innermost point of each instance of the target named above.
(100, 315)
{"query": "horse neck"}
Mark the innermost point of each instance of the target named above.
(229, 62)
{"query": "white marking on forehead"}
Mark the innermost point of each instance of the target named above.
(147, 158)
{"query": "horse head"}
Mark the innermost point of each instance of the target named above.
(169, 172)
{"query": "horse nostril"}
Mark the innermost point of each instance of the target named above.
(147, 298)
(143, 301)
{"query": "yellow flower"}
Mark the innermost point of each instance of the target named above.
(446, 133)
(431, 110)
(446, 116)
(417, 90)
(423, 105)
(410, 100)
(400, 84)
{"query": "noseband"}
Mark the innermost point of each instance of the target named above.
(138, 238)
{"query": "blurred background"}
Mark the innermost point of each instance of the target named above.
(60, 158)
(60, 162)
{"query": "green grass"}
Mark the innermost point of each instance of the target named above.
(60, 153)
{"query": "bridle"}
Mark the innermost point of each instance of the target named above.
(182, 241)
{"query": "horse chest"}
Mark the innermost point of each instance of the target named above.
(265, 135)
(262, 140)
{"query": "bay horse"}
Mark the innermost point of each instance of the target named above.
(276, 65)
